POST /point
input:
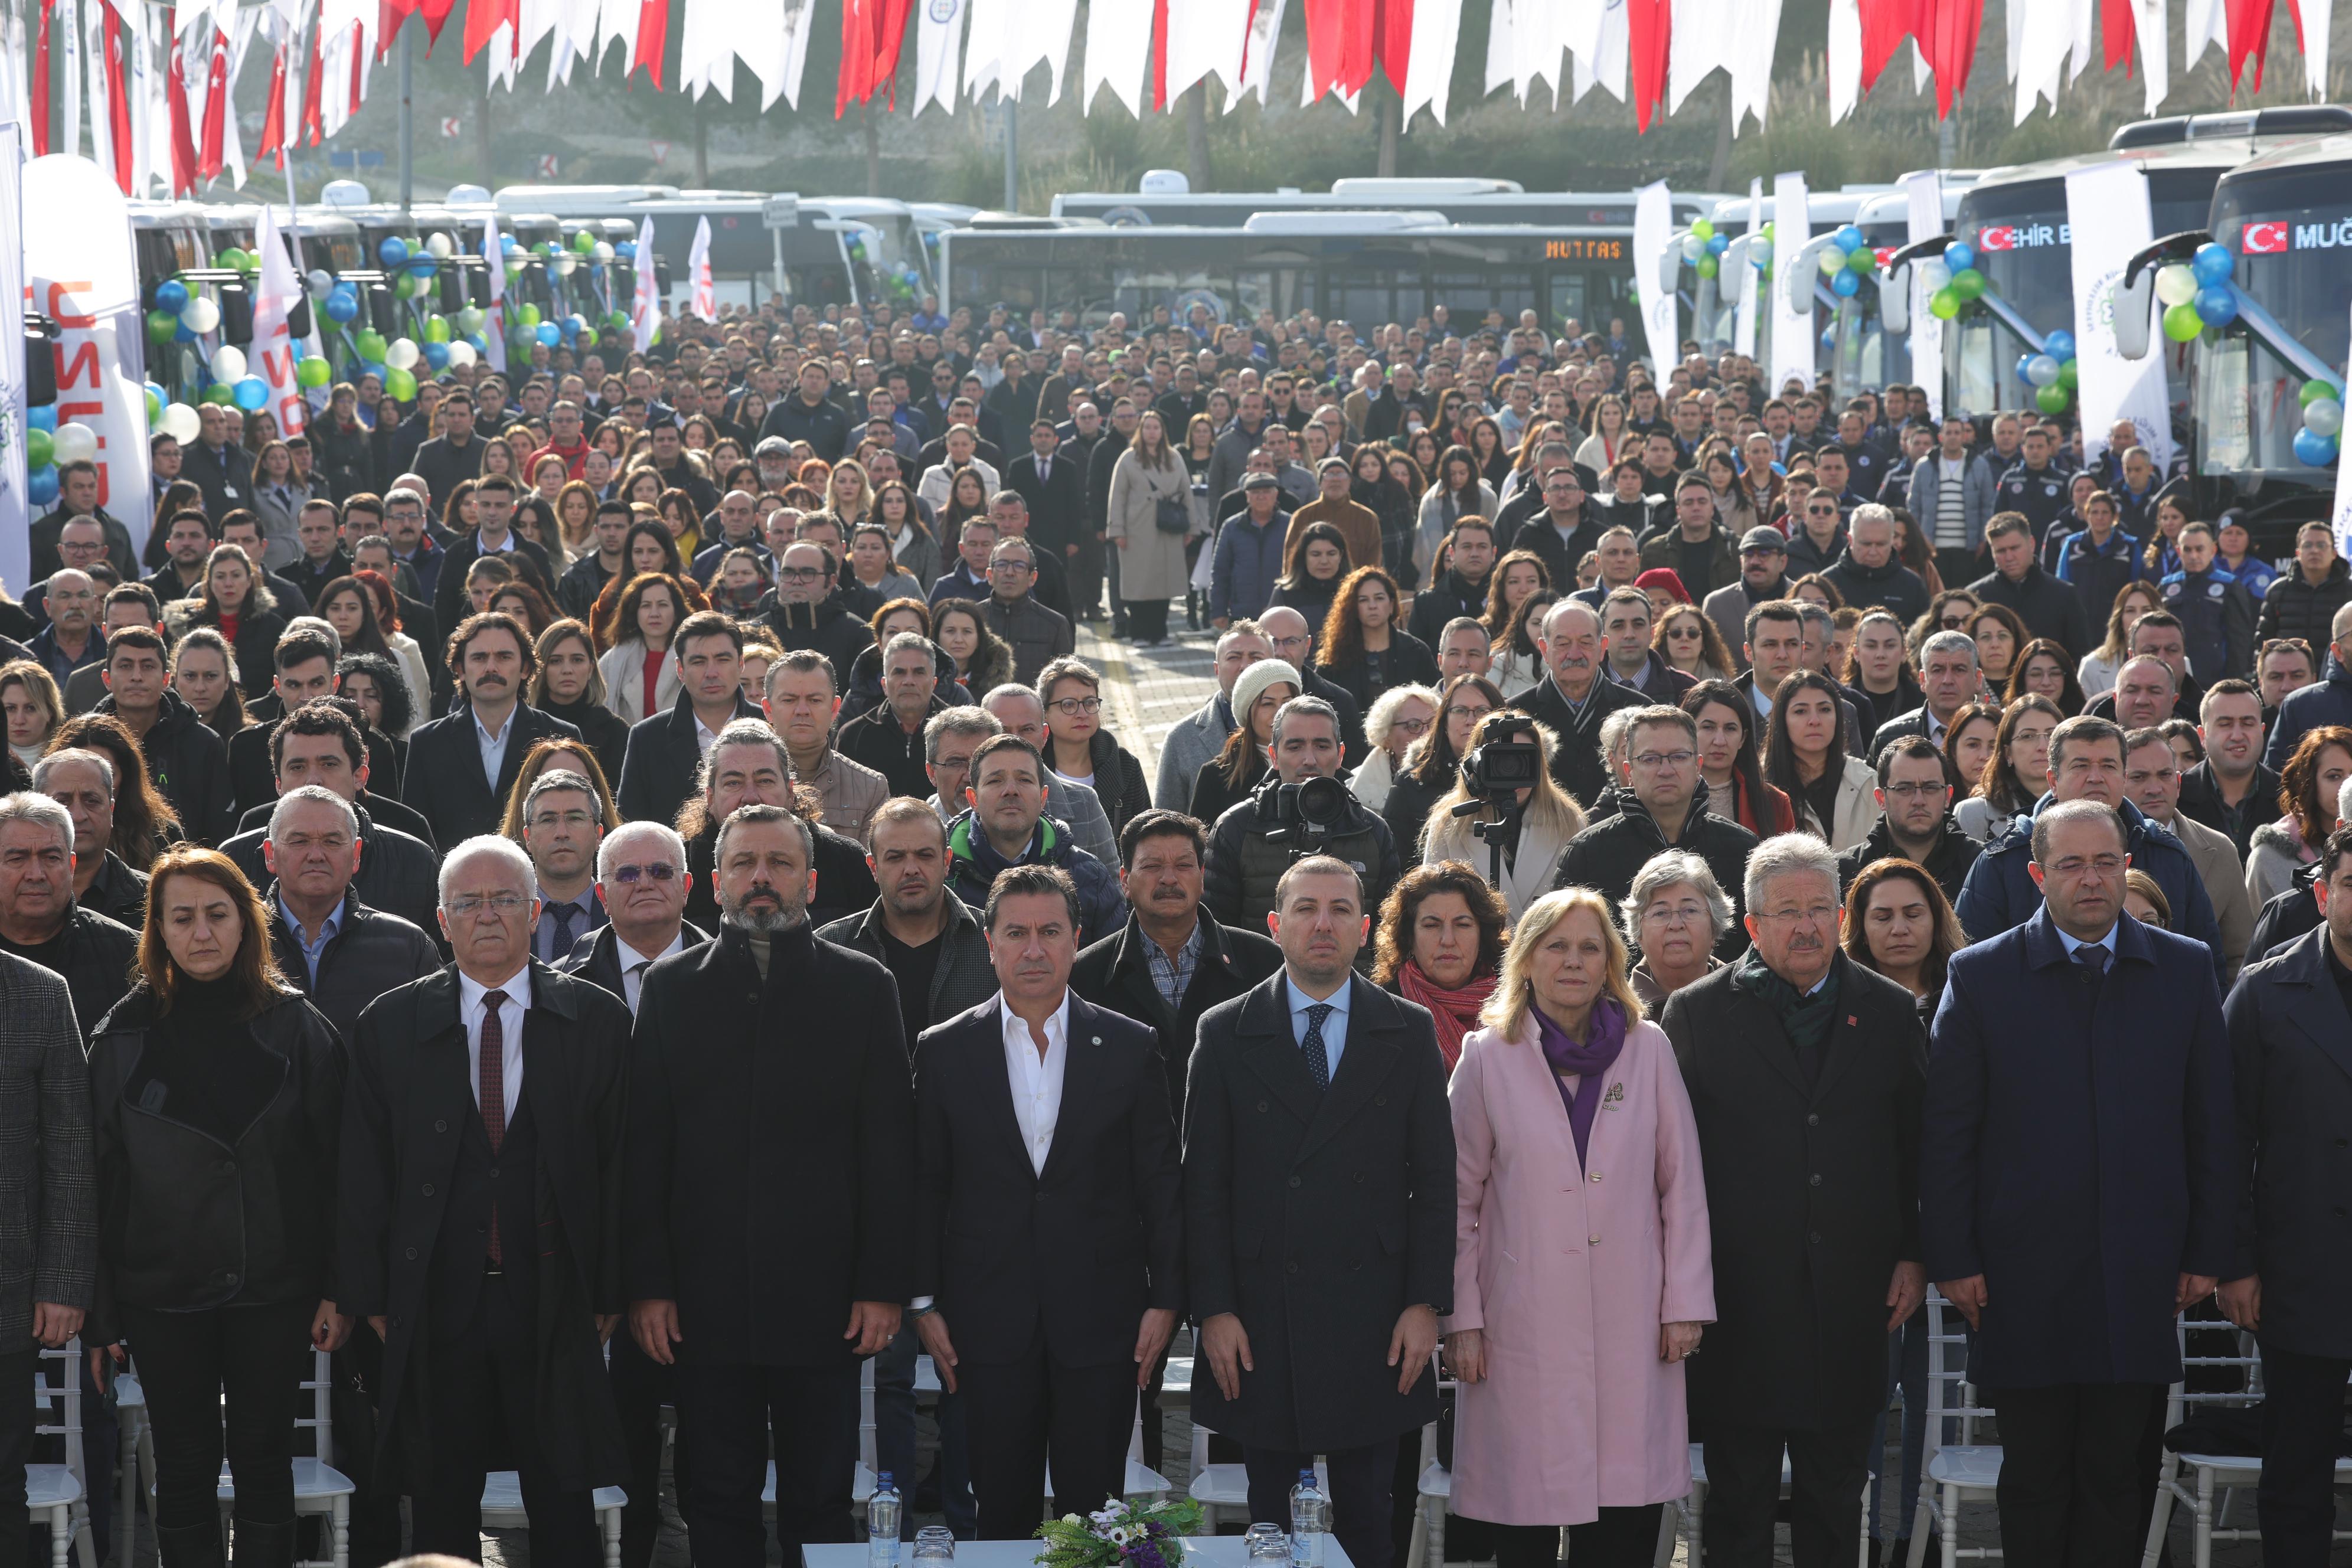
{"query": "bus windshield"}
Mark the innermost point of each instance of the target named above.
(2021, 237)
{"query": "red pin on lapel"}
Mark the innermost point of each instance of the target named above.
(1852, 1022)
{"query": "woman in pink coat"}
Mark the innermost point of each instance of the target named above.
(1581, 1269)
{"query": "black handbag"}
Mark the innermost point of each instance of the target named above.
(1172, 514)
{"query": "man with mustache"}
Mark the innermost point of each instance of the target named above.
(771, 1207)
(462, 767)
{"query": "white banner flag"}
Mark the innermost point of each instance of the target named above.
(938, 50)
(1743, 320)
(2343, 516)
(2107, 213)
(273, 355)
(16, 507)
(704, 301)
(1653, 222)
(1792, 329)
(84, 276)
(646, 313)
(1924, 190)
(494, 331)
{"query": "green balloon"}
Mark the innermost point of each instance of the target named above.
(1703, 228)
(2181, 322)
(1967, 283)
(370, 345)
(1863, 260)
(1707, 266)
(436, 329)
(2052, 399)
(162, 326)
(1944, 304)
(399, 384)
(154, 412)
(2312, 390)
(314, 370)
(528, 315)
(218, 393)
(617, 320)
(2069, 375)
(584, 242)
(40, 449)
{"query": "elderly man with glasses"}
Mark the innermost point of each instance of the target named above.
(1037, 635)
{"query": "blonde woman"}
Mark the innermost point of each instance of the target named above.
(1549, 818)
(1570, 1356)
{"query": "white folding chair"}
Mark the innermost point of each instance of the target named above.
(54, 1494)
(502, 1510)
(2217, 1478)
(1142, 1481)
(135, 1465)
(319, 1489)
(1955, 1472)
(1222, 1489)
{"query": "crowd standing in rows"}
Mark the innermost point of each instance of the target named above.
(1853, 822)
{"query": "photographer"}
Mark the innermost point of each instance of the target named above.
(1301, 809)
(1505, 817)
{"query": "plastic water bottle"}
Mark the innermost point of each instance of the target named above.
(882, 1524)
(1310, 1520)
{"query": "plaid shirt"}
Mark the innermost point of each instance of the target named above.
(1171, 980)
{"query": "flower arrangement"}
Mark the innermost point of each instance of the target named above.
(1120, 1536)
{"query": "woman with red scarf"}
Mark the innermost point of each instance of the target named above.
(1439, 943)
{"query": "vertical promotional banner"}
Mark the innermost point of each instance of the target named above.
(273, 355)
(1654, 221)
(494, 330)
(2107, 214)
(84, 276)
(1750, 278)
(2342, 520)
(16, 507)
(1792, 329)
(1924, 190)
(644, 315)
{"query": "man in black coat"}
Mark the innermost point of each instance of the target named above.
(1914, 801)
(1573, 698)
(1664, 807)
(657, 770)
(40, 919)
(186, 760)
(305, 663)
(647, 909)
(888, 737)
(2231, 791)
(492, 1298)
(493, 534)
(1048, 1359)
(1318, 1217)
(463, 765)
(771, 1152)
(2049, 607)
(342, 954)
(1054, 486)
(397, 870)
(1805, 1072)
(2290, 1026)
(1461, 589)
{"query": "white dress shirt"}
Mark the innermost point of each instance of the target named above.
(633, 965)
(1335, 1023)
(471, 1009)
(493, 747)
(1036, 1080)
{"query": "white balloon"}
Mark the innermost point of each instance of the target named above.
(1693, 247)
(1832, 261)
(321, 282)
(1935, 272)
(2323, 416)
(201, 316)
(181, 422)
(461, 353)
(2176, 284)
(439, 246)
(403, 353)
(602, 253)
(1759, 251)
(74, 443)
(229, 363)
(2041, 370)
(565, 262)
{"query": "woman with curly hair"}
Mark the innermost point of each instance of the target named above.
(2308, 787)
(1727, 760)
(1440, 942)
(649, 550)
(640, 678)
(2016, 773)
(377, 685)
(569, 685)
(1362, 649)
(532, 608)
(1690, 642)
(144, 823)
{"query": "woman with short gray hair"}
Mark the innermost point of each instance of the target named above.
(1673, 916)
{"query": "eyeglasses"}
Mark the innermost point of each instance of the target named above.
(1071, 707)
(472, 905)
(1458, 712)
(1665, 759)
(1410, 726)
(800, 574)
(659, 872)
(2075, 865)
(1011, 568)
(1915, 790)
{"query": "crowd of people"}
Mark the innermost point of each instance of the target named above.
(676, 785)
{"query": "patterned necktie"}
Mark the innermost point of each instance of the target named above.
(563, 914)
(1318, 1060)
(494, 1092)
(637, 992)
(2093, 960)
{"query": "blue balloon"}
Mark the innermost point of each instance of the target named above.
(481, 342)
(370, 367)
(1845, 285)
(2311, 449)
(437, 355)
(1960, 255)
(251, 392)
(1717, 244)
(2024, 361)
(45, 417)
(2059, 346)
(342, 306)
(392, 251)
(2213, 264)
(2217, 304)
(1849, 238)
(1829, 339)
(550, 334)
(172, 295)
(422, 264)
(624, 248)
(41, 485)
(182, 335)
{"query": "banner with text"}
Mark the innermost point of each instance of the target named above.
(1925, 192)
(1654, 221)
(2107, 214)
(1792, 329)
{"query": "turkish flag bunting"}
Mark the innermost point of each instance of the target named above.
(889, 37)
(652, 37)
(208, 155)
(118, 102)
(855, 84)
(313, 123)
(184, 140)
(1884, 25)
(2116, 31)
(1159, 53)
(483, 19)
(273, 116)
(41, 74)
(1950, 43)
(1649, 26)
(2249, 39)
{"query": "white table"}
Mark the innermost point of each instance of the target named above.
(1200, 1552)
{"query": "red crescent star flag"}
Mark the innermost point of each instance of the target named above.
(2264, 239)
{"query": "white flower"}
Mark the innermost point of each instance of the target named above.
(1119, 1535)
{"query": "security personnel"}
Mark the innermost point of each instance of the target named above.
(2216, 613)
(2033, 484)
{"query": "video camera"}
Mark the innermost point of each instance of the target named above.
(1509, 760)
(1307, 814)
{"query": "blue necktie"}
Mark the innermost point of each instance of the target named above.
(1318, 1061)
(562, 945)
(2093, 960)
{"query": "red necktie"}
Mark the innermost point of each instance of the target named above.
(494, 1092)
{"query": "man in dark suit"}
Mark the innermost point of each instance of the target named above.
(2289, 1025)
(493, 534)
(305, 659)
(1054, 488)
(1805, 1072)
(342, 954)
(462, 766)
(1047, 1361)
(772, 1194)
(2078, 1056)
(492, 1296)
(1316, 1110)
(657, 770)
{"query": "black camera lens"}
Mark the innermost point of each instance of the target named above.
(1323, 803)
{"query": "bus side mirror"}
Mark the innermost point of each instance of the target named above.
(2135, 313)
(1894, 299)
(1670, 266)
(1798, 278)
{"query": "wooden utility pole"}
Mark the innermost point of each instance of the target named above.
(1196, 136)
(701, 146)
(873, 151)
(1391, 124)
(489, 154)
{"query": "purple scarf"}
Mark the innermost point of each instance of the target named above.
(1589, 1062)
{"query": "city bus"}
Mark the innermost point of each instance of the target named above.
(1710, 311)
(1164, 197)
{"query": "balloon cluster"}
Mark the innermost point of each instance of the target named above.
(180, 314)
(1702, 248)
(1760, 250)
(2322, 423)
(2051, 373)
(1961, 282)
(2197, 294)
(1846, 261)
(48, 444)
